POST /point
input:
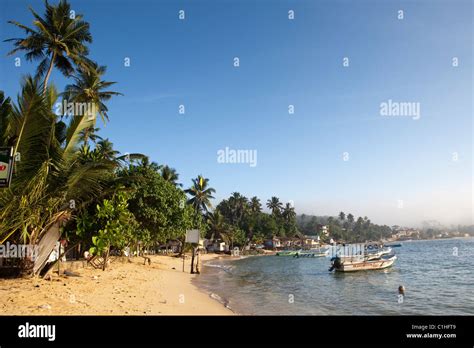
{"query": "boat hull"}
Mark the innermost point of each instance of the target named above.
(365, 265)
(310, 255)
(286, 253)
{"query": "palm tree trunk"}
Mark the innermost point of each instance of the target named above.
(48, 74)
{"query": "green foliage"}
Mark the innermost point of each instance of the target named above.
(201, 194)
(344, 227)
(52, 169)
(244, 219)
(275, 206)
(170, 175)
(235, 236)
(158, 205)
(46, 178)
(111, 225)
(56, 39)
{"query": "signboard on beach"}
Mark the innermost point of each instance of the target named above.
(6, 166)
(192, 236)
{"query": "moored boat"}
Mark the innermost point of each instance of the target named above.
(287, 252)
(313, 253)
(365, 256)
(346, 265)
(361, 251)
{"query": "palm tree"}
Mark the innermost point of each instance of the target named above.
(255, 205)
(350, 218)
(216, 224)
(105, 148)
(275, 205)
(239, 206)
(342, 216)
(288, 212)
(170, 175)
(5, 113)
(48, 176)
(56, 39)
(201, 194)
(90, 133)
(145, 162)
(90, 88)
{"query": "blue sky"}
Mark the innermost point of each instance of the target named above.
(298, 62)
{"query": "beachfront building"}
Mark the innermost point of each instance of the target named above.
(218, 246)
(305, 242)
(290, 242)
(273, 243)
(406, 233)
(310, 242)
(170, 247)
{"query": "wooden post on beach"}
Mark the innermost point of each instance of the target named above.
(198, 259)
(192, 260)
(192, 237)
(184, 256)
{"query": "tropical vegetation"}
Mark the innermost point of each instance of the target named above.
(69, 178)
(344, 227)
(65, 174)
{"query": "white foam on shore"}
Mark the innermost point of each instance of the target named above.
(226, 268)
(221, 300)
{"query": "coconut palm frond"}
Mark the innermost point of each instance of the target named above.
(5, 114)
(54, 35)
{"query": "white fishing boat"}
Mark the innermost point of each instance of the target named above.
(287, 252)
(346, 265)
(373, 255)
(361, 251)
(313, 253)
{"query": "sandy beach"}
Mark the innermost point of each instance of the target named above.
(125, 288)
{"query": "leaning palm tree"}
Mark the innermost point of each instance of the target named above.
(275, 205)
(48, 181)
(201, 194)
(57, 40)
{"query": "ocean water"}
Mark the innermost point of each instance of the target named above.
(438, 276)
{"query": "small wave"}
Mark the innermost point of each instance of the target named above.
(221, 300)
(225, 268)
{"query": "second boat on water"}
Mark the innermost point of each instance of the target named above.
(359, 257)
(313, 253)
